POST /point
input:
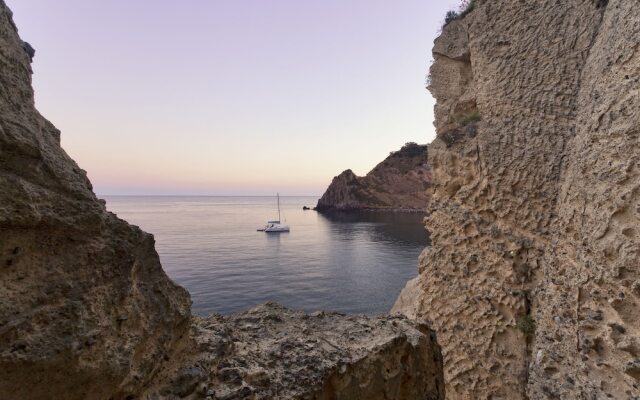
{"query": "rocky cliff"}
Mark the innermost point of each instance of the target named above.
(87, 312)
(400, 182)
(533, 278)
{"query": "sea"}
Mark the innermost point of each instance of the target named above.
(354, 263)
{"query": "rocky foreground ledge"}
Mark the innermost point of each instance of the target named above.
(271, 352)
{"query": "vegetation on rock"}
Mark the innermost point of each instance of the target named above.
(465, 8)
(526, 325)
(473, 116)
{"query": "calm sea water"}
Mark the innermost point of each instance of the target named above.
(352, 263)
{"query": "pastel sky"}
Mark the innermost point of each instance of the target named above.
(231, 97)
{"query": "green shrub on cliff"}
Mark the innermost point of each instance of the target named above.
(473, 116)
(465, 8)
(412, 149)
(450, 16)
(526, 325)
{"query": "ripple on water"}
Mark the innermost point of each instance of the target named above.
(352, 263)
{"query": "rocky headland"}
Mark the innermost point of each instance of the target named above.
(401, 182)
(533, 278)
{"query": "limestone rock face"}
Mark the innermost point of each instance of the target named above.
(86, 311)
(532, 281)
(271, 352)
(400, 182)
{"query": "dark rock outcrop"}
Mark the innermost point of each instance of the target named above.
(31, 52)
(400, 182)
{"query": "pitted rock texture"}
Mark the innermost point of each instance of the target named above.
(532, 279)
(271, 352)
(87, 311)
(400, 182)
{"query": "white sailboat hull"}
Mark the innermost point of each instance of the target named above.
(274, 226)
(268, 225)
(277, 228)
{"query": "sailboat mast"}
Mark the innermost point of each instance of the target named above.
(278, 207)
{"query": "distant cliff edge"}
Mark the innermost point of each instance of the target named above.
(400, 182)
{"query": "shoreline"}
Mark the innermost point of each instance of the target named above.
(354, 210)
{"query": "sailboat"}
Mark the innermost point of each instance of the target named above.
(275, 226)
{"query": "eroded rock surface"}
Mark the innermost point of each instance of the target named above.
(400, 182)
(532, 280)
(271, 352)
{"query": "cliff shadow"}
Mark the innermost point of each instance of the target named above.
(405, 227)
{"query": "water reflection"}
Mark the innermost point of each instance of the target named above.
(354, 262)
(402, 227)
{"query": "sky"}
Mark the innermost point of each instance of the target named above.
(231, 97)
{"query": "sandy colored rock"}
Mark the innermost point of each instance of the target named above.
(532, 279)
(400, 182)
(271, 352)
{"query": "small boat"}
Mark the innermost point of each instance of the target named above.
(268, 225)
(278, 227)
(275, 226)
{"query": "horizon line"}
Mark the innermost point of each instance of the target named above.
(202, 195)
